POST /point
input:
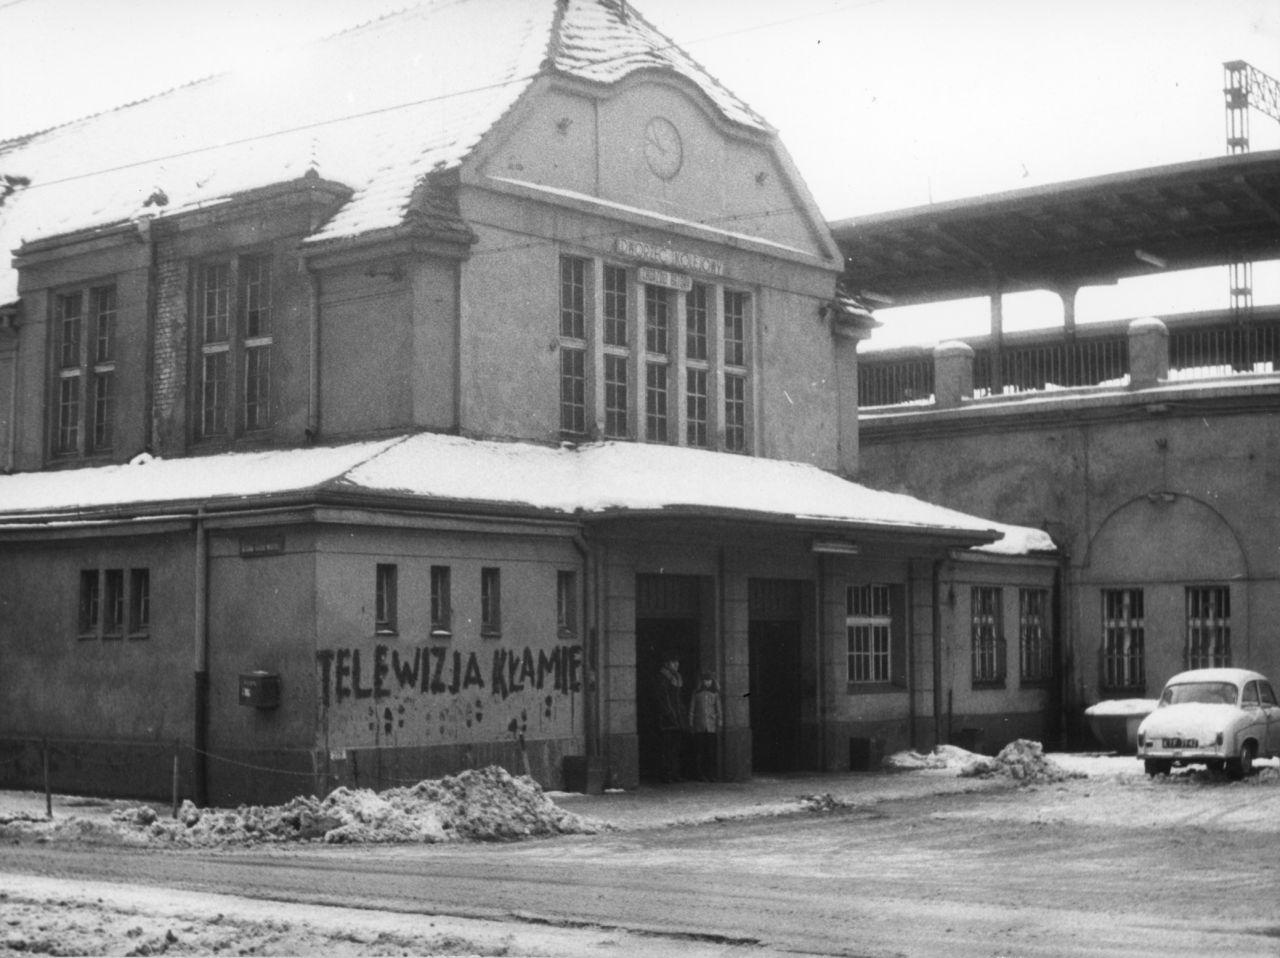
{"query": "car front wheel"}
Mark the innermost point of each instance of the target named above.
(1157, 766)
(1242, 765)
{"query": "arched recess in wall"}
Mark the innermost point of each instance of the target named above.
(1165, 537)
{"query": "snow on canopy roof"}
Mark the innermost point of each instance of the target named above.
(377, 108)
(599, 478)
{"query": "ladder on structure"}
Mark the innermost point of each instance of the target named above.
(1245, 86)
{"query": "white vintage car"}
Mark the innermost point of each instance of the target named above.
(1224, 718)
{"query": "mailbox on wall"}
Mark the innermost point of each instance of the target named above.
(260, 690)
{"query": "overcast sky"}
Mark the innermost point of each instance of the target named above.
(883, 104)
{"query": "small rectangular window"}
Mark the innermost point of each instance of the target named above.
(615, 306)
(113, 603)
(257, 387)
(139, 601)
(441, 601)
(696, 407)
(1123, 665)
(655, 402)
(1208, 627)
(657, 319)
(255, 280)
(1034, 638)
(213, 381)
(213, 302)
(696, 323)
(103, 408)
(735, 413)
(90, 602)
(102, 307)
(70, 315)
(573, 297)
(566, 604)
(615, 396)
(869, 630)
(988, 642)
(490, 601)
(385, 599)
(573, 390)
(68, 439)
(735, 328)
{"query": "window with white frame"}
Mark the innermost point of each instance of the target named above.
(233, 322)
(653, 355)
(85, 398)
(987, 635)
(1208, 627)
(869, 630)
(1035, 640)
(566, 604)
(441, 600)
(1123, 657)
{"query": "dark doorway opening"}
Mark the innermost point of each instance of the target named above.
(775, 696)
(656, 639)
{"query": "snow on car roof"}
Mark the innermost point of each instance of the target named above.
(1216, 675)
(598, 478)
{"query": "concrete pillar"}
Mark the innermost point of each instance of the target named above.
(952, 374)
(1148, 353)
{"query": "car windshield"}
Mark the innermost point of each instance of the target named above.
(1208, 693)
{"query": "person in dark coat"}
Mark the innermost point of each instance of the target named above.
(672, 718)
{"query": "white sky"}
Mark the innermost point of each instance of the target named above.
(883, 104)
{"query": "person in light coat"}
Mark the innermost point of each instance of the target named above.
(705, 722)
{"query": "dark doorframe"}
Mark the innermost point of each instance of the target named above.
(774, 695)
(656, 639)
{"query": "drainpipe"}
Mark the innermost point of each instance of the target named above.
(819, 673)
(200, 738)
(11, 453)
(937, 651)
(910, 646)
(590, 706)
(313, 357)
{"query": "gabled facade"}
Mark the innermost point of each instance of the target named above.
(415, 427)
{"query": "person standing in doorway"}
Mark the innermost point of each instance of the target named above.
(705, 722)
(672, 718)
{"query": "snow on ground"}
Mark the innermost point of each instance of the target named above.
(1021, 760)
(486, 804)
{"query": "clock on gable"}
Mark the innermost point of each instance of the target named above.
(663, 150)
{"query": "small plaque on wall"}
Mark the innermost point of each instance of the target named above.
(254, 546)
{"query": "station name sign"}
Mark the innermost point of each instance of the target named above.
(668, 257)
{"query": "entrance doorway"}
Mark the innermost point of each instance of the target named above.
(656, 640)
(776, 610)
(775, 696)
(671, 622)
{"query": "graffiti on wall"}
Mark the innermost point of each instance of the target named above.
(351, 674)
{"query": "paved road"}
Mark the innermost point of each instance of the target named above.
(956, 875)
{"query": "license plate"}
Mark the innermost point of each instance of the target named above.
(1181, 743)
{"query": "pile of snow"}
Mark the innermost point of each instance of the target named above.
(942, 756)
(486, 804)
(1021, 760)
(1125, 707)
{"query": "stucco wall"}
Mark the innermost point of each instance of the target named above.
(1141, 491)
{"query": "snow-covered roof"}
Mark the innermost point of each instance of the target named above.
(377, 108)
(609, 478)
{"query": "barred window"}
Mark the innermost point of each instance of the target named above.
(573, 297)
(696, 322)
(112, 601)
(1208, 627)
(735, 327)
(573, 390)
(869, 630)
(987, 632)
(1123, 660)
(1034, 638)
(655, 402)
(615, 306)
